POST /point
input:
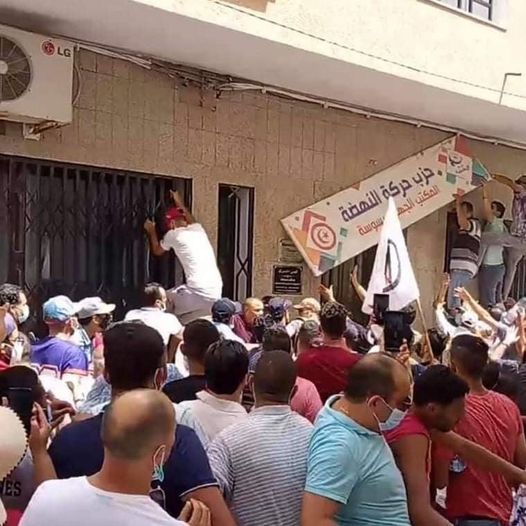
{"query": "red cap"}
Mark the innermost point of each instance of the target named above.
(174, 213)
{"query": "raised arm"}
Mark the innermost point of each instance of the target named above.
(462, 218)
(510, 183)
(359, 289)
(489, 216)
(475, 306)
(178, 200)
(155, 246)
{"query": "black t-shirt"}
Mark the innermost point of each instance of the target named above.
(185, 388)
(78, 451)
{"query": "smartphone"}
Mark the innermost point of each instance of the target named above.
(380, 305)
(395, 330)
(20, 400)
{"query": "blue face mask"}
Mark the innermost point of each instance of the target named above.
(394, 420)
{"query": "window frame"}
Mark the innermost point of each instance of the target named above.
(498, 10)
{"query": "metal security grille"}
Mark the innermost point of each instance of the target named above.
(235, 240)
(75, 230)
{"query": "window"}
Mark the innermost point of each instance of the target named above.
(235, 240)
(481, 8)
(78, 230)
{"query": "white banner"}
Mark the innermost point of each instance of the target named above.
(392, 271)
(349, 222)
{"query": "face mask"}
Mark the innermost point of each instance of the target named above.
(158, 465)
(24, 314)
(394, 419)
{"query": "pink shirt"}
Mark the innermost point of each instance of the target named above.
(493, 421)
(306, 401)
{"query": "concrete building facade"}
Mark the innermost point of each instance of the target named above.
(292, 152)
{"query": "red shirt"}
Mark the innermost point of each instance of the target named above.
(326, 367)
(493, 421)
(411, 425)
(242, 330)
(306, 401)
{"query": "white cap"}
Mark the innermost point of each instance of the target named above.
(89, 307)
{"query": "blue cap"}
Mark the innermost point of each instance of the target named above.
(224, 309)
(277, 307)
(59, 308)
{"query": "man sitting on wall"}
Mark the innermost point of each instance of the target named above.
(190, 243)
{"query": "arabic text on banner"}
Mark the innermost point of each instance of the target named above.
(349, 222)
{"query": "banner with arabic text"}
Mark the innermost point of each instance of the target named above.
(349, 222)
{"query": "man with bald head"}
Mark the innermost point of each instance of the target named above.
(261, 462)
(352, 477)
(138, 432)
(244, 323)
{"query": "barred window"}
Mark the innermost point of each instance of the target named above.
(482, 8)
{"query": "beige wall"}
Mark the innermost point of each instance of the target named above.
(414, 39)
(293, 153)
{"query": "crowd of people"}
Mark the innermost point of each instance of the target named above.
(195, 409)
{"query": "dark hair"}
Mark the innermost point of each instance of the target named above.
(21, 376)
(151, 294)
(496, 313)
(10, 293)
(226, 365)
(198, 335)
(501, 209)
(372, 375)
(468, 205)
(438, 343)
(275, 376)
(308, 332)
(132, 438)
(440, 385)
(470, 353)
(276, 339)
(333, 319)
(132, 354)
(496, 379)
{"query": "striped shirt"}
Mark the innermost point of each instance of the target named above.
(466, 248)
(261, 466)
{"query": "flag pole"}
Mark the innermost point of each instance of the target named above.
(429, 358)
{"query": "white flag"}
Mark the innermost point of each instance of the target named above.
(392, 270)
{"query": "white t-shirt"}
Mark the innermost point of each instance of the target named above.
(196, 255)
(75, 502)
(164, 323)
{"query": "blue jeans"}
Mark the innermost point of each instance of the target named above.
(477, 522)
(457, 278)
(491, 280)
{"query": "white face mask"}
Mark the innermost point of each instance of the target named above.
(24, 314)
(393, 420)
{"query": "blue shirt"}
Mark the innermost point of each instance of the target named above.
(99, 395)
(58, 355)
(78, 451)
(354, 466)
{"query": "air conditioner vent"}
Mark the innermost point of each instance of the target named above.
(15, 70)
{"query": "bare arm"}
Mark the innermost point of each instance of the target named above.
(510, 183)
(173, 344)
(462, 219)
(318, 511)
(155, 246)
(360, 291)
(480, 456)
(410, 455)
(211, 497)
(178, 200)
(488, 214)
(475, 306)
(43, 468)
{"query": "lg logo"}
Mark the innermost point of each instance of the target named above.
(50, 49)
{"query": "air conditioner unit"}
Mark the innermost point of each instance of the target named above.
(36, 77)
